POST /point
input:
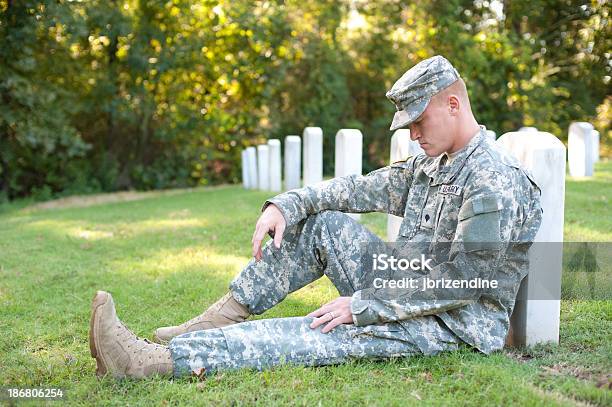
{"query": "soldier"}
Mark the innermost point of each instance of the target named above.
(463, 191)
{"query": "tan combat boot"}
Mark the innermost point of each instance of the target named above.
(117, 350)
(226, 311)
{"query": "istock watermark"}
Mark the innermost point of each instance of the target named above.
(456, 271)
(384, 261)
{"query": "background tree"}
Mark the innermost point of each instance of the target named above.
(119, 94)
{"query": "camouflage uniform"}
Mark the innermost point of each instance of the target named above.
(467, 212)
(480, 202)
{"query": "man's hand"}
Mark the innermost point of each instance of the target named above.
(335, 312)
(270, 220)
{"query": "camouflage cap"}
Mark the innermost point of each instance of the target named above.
(413, 91)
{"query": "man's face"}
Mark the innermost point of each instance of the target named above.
(433, 129)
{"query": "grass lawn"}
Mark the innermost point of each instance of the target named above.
(166, 256)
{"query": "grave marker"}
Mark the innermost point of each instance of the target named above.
(313, 155)
(252, 167)
(245, 174)
(580, 146)
(263, 167)
(293, 164)
(536, 314)
(349, 144)
(274, 148)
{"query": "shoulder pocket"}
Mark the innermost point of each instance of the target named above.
(479, 227)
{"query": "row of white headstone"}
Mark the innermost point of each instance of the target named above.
(261, 165)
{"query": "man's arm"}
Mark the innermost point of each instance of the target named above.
(384, 190)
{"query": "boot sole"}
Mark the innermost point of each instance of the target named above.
(99, 299)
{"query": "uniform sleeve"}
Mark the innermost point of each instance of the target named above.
(384, 190)
(488, 220)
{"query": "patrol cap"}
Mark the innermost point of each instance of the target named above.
(413, 91)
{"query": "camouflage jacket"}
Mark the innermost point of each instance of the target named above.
(482, 210)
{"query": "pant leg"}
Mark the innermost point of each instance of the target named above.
(266, 343)
(326, 243)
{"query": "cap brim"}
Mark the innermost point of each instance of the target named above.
(403, 118)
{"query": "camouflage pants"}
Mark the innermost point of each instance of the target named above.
(323, 244)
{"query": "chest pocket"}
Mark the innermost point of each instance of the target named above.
(430, 213)
(446, 217)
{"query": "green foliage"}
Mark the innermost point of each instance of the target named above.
(38, 141)
(118, 94)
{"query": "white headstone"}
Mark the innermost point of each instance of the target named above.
(293, 164)
(491, 135)
(313, 155)
(263, 167)
(528, 129)
(595, 146)
(274, 147)
(348, 152)
(536, 314)
(245, 173)
(349, 144)
(401, 148)
(251, 155)
(580, 149)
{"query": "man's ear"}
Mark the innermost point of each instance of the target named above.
(453, 105)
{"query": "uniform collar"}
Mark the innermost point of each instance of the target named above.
(446, 173)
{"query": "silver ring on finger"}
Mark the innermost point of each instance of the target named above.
(333, 316)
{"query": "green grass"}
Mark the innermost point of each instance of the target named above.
(167, 256)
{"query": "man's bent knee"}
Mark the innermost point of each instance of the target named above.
(334, 220)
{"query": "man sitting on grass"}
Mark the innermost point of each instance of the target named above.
(464, 191)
